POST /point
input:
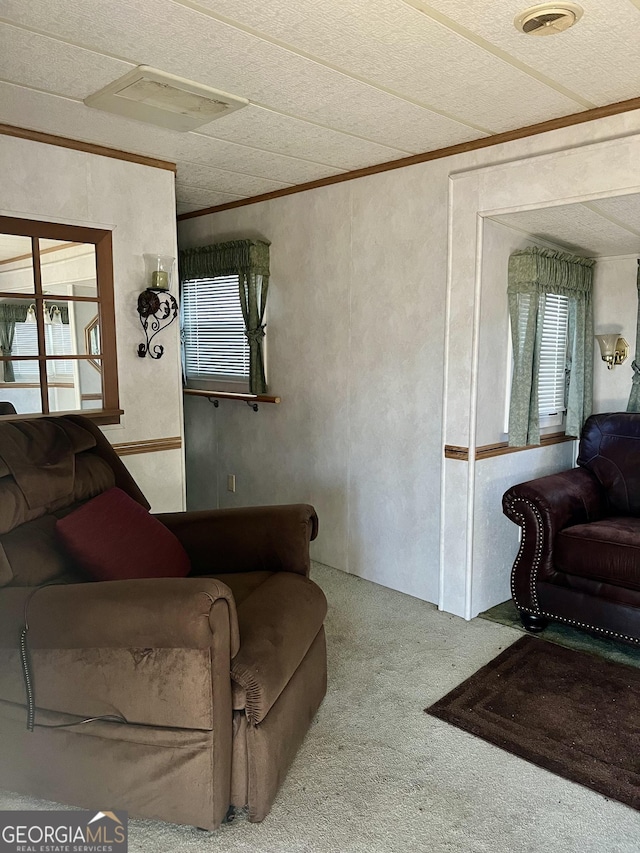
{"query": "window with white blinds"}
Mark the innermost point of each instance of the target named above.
(552, 375)
(214, 342)
(25, 343)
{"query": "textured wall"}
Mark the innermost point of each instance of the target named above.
(138, 204)
(358, 340)
(615, 309)
(355, 338)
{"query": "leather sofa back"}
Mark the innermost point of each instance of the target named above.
(610, 449)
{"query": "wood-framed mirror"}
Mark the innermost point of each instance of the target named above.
(92, 342)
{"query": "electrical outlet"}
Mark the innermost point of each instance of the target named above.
(231, 482)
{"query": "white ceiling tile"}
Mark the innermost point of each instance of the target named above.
(208, 177)
(239, 156)
(43, 63)
(623, 209)
(577, 228)
(189, 44)
(203, 197)
(189, 198)
(183, 207)
(287, 135)
(599, 57)
(399, 48)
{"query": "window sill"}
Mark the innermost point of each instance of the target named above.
(487, 451)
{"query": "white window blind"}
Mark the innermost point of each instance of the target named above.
(215, 346)
(25, 343)
(553, 357)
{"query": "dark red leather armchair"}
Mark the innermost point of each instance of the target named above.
(579, 557)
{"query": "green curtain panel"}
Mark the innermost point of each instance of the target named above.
(634, 398)
(10, 314)
(533, 273)
(7, 331)
(249, 260)
(253, 300)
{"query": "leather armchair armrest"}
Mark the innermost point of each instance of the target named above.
(149, 613)
(542, 508)
(245, 539)
(278, 624)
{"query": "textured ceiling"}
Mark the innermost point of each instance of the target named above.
(595, 229)
(333, 86)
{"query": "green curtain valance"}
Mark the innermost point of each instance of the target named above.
(14, 312)
(537, 270)
(230, 258)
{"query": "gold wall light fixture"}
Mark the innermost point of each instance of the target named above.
(613, 348)
(52, 314)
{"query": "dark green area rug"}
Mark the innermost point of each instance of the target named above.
(507, 614)
(560, 709)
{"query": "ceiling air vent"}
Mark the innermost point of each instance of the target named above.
(548, 19)
(155, 97)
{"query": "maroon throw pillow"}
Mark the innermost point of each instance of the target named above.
(112, 537)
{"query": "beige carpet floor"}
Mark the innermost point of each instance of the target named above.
(378, 775)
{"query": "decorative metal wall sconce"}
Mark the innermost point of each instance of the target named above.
(156, 306)
(613, 348)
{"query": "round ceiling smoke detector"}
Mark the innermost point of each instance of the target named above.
(548, 19)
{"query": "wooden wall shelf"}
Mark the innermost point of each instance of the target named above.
(215, 396)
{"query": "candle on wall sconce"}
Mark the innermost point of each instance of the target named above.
(160, 279)
(157, 308)
(158, 271)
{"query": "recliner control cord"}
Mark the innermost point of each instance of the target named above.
(26, 672)
(28, 681)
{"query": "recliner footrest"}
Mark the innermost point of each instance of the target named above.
(278, 623)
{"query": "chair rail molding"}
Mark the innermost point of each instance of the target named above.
(151, 445)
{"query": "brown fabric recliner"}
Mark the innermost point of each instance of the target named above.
(579, 557)
(205, 685)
